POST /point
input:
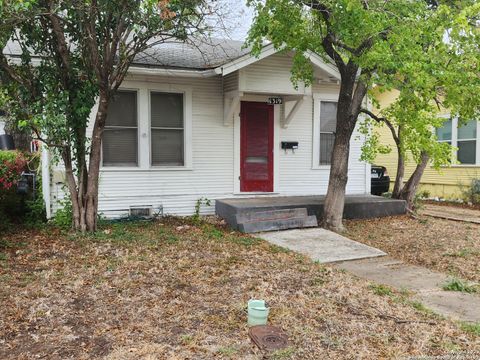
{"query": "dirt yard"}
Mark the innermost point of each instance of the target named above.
(449, 246)
(166, 291)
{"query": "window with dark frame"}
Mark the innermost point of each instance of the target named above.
(328, 124)
(167, 129)
(120, 137)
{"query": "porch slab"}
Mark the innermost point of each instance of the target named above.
(356, 206)
(321, 245)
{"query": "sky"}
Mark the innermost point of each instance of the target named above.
(238, 18)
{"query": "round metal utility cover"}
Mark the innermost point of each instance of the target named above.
(268, 337)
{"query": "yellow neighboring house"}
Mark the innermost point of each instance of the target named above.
(448, 182)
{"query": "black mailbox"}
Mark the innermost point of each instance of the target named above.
(289, 145)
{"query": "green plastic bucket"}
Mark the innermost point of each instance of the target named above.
(257, 312)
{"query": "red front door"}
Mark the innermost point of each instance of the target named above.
(256, 152)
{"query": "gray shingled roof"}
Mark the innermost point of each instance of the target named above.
(200, 55)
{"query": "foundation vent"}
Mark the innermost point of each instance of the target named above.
(145, 212)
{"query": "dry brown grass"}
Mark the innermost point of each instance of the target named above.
(449, 246)
(157, 291)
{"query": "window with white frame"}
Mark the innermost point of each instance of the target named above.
(444, 133)
(120, 137)
(465, 137)
(467, 143)
(328, 124)
(167, 129)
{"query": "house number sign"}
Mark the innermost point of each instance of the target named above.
(275, 101)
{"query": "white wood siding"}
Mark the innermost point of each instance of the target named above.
(270, 75)
(230, 82)
(177, 190)
(297, 176)
(212, 172)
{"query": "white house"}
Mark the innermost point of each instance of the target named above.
(215, 123)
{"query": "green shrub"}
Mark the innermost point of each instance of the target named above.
(35, 214)
(5, 222)
(417, 202)
(11, 208)
(12, 164)
(64, 216)
(28, 208)
(471, 193)
(424, 194)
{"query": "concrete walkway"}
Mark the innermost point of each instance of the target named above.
(371, 264)
(451, 213)
(424, 283)
(321, 245)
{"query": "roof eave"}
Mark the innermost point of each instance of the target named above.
(137, 70)
(268, 50)
(245, 60)
(320, 63)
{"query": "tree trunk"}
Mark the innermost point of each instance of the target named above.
(83, 188)
(91, 195)
(349, 104)
(397, 188)
(410, 189)
(82, 183)
(337, 182)
(77, 187)
(72, 188)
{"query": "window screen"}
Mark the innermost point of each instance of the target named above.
(467, 142)
(120, 139)
(444, 133)
(328, 124)
(466, 153)
(167, 135)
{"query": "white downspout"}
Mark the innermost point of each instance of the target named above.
(46, 180)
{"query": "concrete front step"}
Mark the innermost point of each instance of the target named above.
(274, 214)
(279, 224)
(356, 206)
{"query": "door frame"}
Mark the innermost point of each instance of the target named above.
(243, 142)
(237, 146)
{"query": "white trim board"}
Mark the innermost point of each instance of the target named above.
(269, 50)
